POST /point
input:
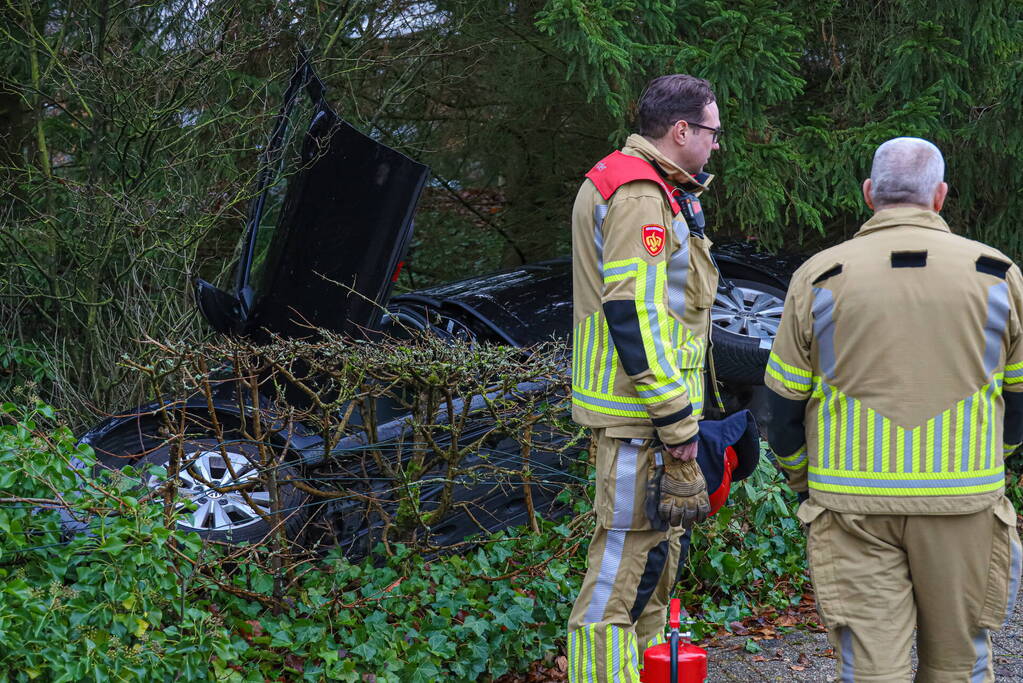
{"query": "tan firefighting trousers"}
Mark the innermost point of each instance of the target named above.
(954, 578)
(631, 568)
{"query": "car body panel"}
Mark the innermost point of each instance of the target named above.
(330, 259)
(533, 303)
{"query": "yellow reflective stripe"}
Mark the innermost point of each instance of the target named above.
(892, 491)
(790, 368)
(615, 271)
(946, 436)
(794, 462)
(907, 484)
(833, 437)
(907, 476)
(664, 320)
(1013, 373)
(787, 383)
(886, 444)
(871, 445)
(650, 307)
(595, 335)
(953, 464)
(576, 354)
(821, 446)
(859, 458)
(839, 424)
(919, 449)
(612, 265)
(900, 449)
(982, 428)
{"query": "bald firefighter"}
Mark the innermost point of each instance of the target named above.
(643, 284)
(897, 376)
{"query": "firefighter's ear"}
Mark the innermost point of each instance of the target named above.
(678, 132)
(939, 197)
(868, 193)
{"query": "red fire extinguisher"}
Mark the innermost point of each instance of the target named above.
(677, 661)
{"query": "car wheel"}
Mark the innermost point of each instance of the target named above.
(238, 514)
(745, 321)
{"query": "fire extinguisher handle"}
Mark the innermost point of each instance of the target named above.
(675, 613)
(674, 655)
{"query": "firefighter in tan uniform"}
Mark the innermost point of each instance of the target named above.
(643, 284)
(898, 390)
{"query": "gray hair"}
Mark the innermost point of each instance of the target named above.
(906, 171)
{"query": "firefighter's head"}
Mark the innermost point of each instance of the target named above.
(679, 114)
(906, 172)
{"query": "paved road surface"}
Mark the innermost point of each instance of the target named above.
(731, 662)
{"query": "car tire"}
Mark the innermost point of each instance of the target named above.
(744, 322)
(227, 516)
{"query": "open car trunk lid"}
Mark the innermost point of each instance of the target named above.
(331, 256)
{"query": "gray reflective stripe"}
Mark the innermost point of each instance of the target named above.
(824, 330)
(1015, 569)
(1014, 374)
(590, 655)
(653, 320)
(848, 668)
(850, 411)
(575, 653)
(678, 269)
(907, 453)
(616, 656)
(608, 403)
(790, 376)
(967, 427)
(660, 391)
(625, 485)
(590, 661)
(938, 446)
(619, 270)
(609, 365)
(997, 316)
(980, 646)
(907, 483)
(879, 465)
(590, 339)
(989, 419)
(615, 542)
(826, 406)
(634, 656)
(793, 461)
(599, 214)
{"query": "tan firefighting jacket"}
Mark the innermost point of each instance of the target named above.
(637, 266)
(901, 342)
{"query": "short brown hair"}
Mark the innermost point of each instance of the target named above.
(668, 99)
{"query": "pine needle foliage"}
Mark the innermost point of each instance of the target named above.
(809, 88)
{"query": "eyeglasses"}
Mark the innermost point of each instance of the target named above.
(718, 132)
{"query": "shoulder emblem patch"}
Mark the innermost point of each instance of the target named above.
(653, 238)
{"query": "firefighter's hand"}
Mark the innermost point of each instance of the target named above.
(684, 499)
(686, 451)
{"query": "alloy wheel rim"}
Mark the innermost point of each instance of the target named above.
(218, 510)
(747, 312)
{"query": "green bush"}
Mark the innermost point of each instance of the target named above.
(104, 605)
(132, 599)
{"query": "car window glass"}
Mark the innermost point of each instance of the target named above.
(288, 161)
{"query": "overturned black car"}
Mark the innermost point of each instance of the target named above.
(322, 250)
